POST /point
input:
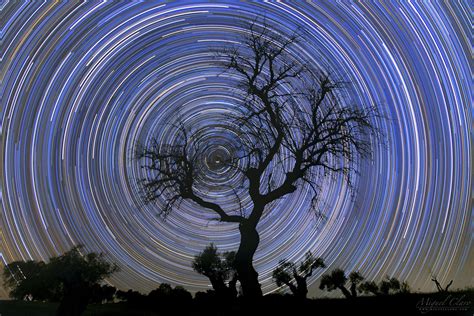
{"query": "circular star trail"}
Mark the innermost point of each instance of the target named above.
(83, 84)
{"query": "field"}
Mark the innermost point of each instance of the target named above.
(456, 303)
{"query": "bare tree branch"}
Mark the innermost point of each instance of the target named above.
(171, 173)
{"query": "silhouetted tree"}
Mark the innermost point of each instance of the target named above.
(404, 288)
(77, 275)
(439, 287)
(337, 280)
(69, 278)
(389, 285)
(162, 292)
(27, 280)
(102, 293)
(294, 130)
(296, 277)
(386, 287)
(160, 296)
(355, 278)
(181, 295)
(168, 300)
(132, 297)
(219, 268)
(369, 287)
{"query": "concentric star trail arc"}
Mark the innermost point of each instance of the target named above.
(83, 84)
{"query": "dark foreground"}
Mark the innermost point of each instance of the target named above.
(458, 303)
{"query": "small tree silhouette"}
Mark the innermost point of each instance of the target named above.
(404, 288)
(355, 278)
(369, 287)
(168, 300)
(337, 280)
(386, 287)
(219, 268)
(102, 293)
(132, 297)
(287, 273)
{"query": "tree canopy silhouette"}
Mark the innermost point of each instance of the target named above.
(337, 279)
(70, 278)
(219, 268)
(294, 277)
(295, 129)
(369, 287)
(27, 280)
(385, 287)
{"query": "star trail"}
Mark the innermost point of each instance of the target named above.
(83, 83)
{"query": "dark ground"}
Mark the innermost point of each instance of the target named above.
(457, 303)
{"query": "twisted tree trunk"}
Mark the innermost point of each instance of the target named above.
(344, 291)
(354, 290)
(233, 286)
(219, 287)
(248, 277)
(302, 287)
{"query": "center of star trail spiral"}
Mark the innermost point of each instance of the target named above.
(83, 84)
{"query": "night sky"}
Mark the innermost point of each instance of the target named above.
(83, 84)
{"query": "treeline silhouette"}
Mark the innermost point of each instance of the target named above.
(75, 280)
